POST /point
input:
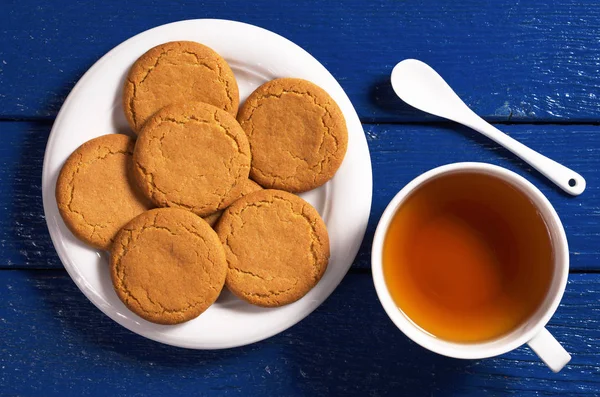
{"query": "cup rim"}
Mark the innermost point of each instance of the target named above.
(505, 343)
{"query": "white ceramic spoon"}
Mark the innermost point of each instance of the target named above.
(417, 84)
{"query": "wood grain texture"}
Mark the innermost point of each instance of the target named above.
(56, 343)
(24, 237)
(399, 153)
(510, 60)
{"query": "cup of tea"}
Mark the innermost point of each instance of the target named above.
(470, 260)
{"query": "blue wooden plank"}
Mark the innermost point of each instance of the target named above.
(56, 343)
(402, 152)
(399, 153)
(24, 238)
(510, 60)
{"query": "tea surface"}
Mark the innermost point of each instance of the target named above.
(467, 257)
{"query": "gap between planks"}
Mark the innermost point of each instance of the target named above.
(369, 121)
(352, 270)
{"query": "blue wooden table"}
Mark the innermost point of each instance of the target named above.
(531, 67)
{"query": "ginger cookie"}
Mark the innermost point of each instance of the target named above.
(94, 195)
(178, 71)
(168, 266)
(297, 135)
(248, 187)
(192, 156)
(277, 247)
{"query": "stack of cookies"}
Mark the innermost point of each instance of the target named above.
(204, 196)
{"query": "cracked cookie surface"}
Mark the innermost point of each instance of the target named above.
(297, 134)
(93, 191)
(192, 156)
(248, 187)
(168, 266)
(277, 247)
(178, 71)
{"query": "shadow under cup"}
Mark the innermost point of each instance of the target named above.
(470, 260)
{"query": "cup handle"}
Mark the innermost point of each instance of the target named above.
(549, 350)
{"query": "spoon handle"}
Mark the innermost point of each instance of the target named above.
(564, 177)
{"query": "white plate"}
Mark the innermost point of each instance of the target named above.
(256, 55)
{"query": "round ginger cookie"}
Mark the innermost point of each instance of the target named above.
(174, 72)
(297, 134)
(168, 266)
(192, 156)
(249, 187)
(277, 247)
(93, 192)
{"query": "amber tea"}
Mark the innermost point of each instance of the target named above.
(467, 257)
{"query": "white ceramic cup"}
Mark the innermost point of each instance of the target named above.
(530, 331)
